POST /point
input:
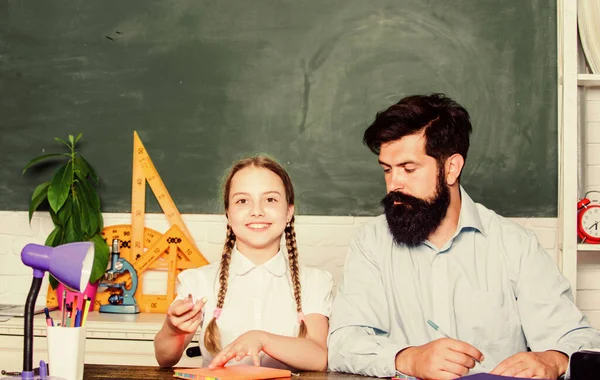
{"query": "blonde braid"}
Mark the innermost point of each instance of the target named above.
(292, 248)
(212, 337)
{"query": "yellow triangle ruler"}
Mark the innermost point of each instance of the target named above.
(144, 170)
(171, 252)
(145, 248)
(176, 248)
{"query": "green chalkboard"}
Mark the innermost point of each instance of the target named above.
(205, 82)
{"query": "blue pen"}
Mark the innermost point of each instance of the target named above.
(78, 318)
(438, 329)
(49, 320)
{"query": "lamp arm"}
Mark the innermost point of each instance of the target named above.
(34, 290)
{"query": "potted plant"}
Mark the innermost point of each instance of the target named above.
(74, 207)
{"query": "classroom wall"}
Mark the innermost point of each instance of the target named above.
(588, 276)
(323, 241)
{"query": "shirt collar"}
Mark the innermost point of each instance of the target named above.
(469, 215)
(240, 264)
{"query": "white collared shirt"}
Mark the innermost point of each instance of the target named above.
(258, 298)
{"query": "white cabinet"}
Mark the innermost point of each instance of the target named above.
(571, 93)
(120, 339)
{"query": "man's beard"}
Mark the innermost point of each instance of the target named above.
(414, 219)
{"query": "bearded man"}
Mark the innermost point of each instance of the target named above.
(440, 286)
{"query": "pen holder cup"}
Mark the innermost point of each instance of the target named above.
(66, 351)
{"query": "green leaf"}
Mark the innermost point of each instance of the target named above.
(90, 171)
(88, 191)
(39, 195)
(73, 230)
(95, 221)
(72, 140)
(84, 215)
(41, 188)
(55, 237)
(62, 141)
(55, 218)
(71, 234)
(76, 220)
(80, 167)
(101, 257)
(42, 158)
(65, 213)
(60, 186)
(89, 204)
(89, 214)
(78, 137)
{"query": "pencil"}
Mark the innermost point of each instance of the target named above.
(75, 303)
(74, 310)
(86, 308)
(64, 307)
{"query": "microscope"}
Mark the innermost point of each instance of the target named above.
(122, 301)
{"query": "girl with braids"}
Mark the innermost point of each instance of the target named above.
(257, 305)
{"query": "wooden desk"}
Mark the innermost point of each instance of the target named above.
(101, 371)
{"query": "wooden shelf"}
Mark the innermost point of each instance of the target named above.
(588, 247)
(588, 80)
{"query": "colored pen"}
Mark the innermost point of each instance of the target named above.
(69, 315)
(78, 318)
(75, 307)
(73, 314)
(438, 329)
(64, 308)
(86, 308)
(49, 320)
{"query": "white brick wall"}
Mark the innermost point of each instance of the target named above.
(588, 276)
(322, 242)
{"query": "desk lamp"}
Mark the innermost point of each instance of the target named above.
(71, 264)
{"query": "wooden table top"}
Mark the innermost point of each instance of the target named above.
(102, 371)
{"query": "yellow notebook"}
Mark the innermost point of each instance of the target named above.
(234, 372)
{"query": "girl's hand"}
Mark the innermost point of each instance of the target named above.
(184, 317)
(250, 343)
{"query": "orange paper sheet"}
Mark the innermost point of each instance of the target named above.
(235, 372)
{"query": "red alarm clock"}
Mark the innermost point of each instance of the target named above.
(588, 221)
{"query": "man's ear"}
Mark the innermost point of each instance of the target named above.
(454, 166)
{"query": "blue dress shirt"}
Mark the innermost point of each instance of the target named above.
(491, 285)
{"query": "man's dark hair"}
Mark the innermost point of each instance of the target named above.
(445, 123)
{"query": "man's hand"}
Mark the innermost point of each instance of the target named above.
(534, 365)
(184, 317)
(441, 359)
